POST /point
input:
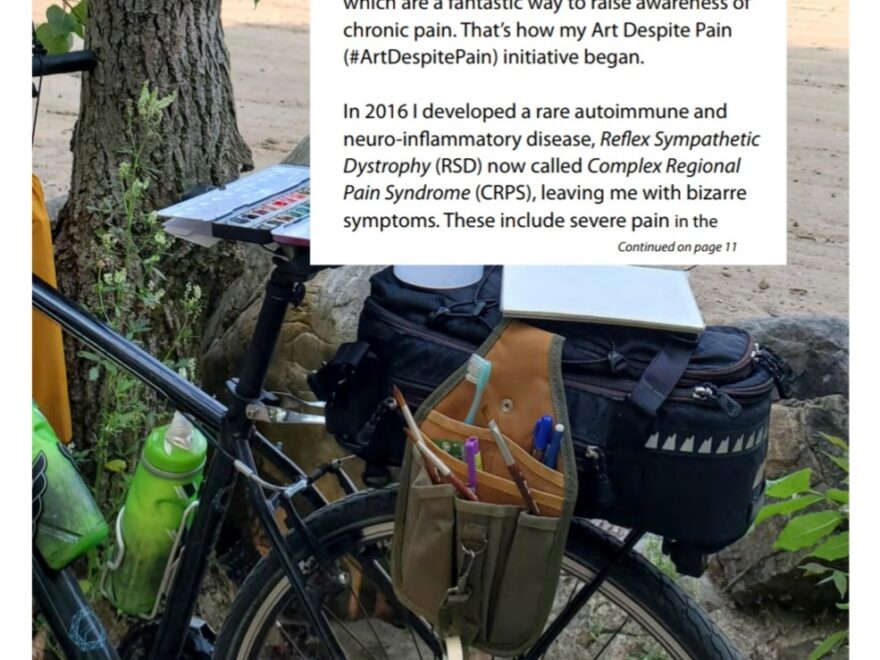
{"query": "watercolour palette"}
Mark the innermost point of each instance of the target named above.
(269, 206)
(261, 223)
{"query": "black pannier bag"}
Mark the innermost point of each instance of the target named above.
(670, 430)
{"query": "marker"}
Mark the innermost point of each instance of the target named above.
(541, 436)
(473, 460)
(555, 445)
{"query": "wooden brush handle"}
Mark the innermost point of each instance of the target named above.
(524, 490)
(461, 487)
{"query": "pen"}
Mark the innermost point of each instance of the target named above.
(541, 436)
(472, 458)
(555, 445)
(515, 473)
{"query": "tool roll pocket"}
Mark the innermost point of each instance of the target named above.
(487, 570)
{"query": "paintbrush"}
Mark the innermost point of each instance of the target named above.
(415, 435)
(433, 474)
(515, 473)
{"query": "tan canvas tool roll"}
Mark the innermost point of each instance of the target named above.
(487, 571)
(49, 371)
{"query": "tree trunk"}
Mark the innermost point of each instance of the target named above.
(177, 46)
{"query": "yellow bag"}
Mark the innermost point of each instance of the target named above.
(47, 353)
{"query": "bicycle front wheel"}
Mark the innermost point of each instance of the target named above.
(637, 613)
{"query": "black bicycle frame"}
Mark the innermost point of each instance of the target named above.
(233, 436)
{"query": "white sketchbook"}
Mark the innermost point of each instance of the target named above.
(619, 295)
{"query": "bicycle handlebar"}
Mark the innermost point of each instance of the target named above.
(48, 65)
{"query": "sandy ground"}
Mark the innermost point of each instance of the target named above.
(269, 46)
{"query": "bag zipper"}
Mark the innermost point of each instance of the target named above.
(782, 373)
(704, 392)
(604, 488)
(739, 369)
(416, 330)
(708, 392)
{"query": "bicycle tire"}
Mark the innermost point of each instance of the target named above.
(669, 611)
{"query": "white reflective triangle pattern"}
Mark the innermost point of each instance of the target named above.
(688, 445)
(739, 445)
(724, 447)
(669, 445)
(759, 478)
(706, 447)
(765, 433)
(751, 442)
(653, 441)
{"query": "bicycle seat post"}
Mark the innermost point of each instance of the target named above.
(285, 287)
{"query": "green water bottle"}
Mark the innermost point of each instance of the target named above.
(67, 520)
(159, 505)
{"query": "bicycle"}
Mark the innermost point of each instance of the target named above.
(307, 596)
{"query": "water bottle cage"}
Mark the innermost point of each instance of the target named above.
(170, 565)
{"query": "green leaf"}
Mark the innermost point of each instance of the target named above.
(838, 495)
(841, 582)
(116, 465)
(88, 355)
(808, 529)
(80, 11)
(78, 16)
(812, 568)
(792, 484)
(94, 373)
(834, 548)
(55, 42)
(842, 606)
(837, 442)
(786, 507)
(125, 386)
(831, 642)
(59, 19)
(840, 461)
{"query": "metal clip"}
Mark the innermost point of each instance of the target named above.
(289, 400)
(461, 592)
(260, 412)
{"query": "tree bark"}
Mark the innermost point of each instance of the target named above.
(178, 47)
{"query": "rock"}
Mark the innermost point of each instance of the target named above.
(301, 154)
(310, 336)
(796, 438)
(803, 650)
(816, 347)
(750, 570)
(773, 632)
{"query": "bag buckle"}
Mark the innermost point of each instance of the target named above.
(461, 592)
